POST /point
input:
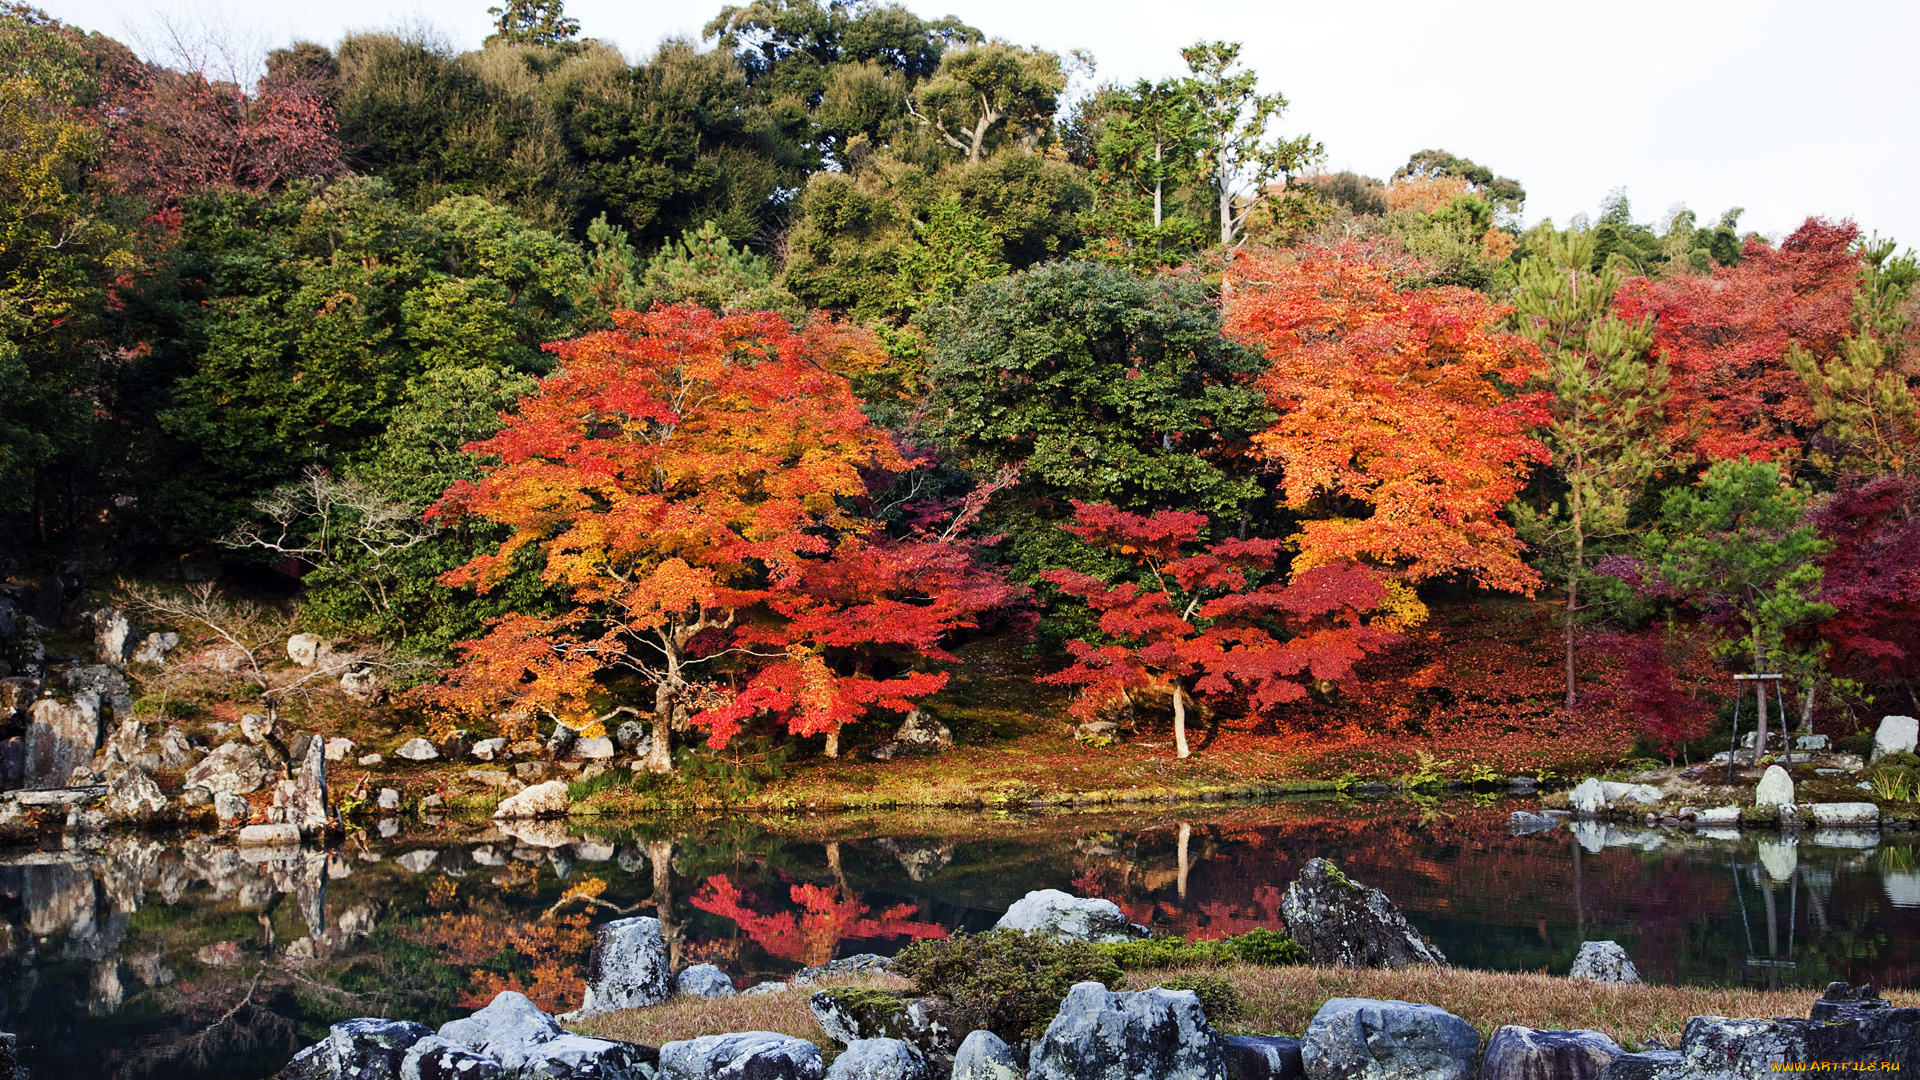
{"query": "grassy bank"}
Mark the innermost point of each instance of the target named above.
(1282, 1000)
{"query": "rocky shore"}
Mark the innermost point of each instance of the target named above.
(1099, 1032)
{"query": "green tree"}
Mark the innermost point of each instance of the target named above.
(1863, 395)
(532, 22)
(1608, 405)
(1146, 157)
(305, 319)
(703, 267)
(1739, 549)
(1500, 191)
(1232, 120)
(990, 95)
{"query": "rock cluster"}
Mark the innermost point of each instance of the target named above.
(510, 1038)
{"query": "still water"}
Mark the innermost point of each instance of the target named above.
(187, 957)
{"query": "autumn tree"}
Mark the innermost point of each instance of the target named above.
(1727, 336)
(1215, 622)
(1607, 409)
(1863, 394)
(1231, 120)
(687, 481)
(1870, 577)
(1400, 434)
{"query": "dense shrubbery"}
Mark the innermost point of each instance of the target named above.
(1008, 982)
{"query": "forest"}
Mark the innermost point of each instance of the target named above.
(741, 389)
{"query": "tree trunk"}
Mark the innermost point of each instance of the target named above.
(1186, 835)
(1180, 722)
(1226, 207)
(660, 755)
(1760, 738)
(1159, 182)
(833, 742)
(1573, 602)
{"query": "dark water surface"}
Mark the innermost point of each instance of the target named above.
(186, 957)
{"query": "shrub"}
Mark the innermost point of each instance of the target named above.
(1266, 948)
(1218, 999)
(1008, 982)
(1860, 743)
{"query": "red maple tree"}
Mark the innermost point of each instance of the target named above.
(1211, 626)
(1399, 432)
(1727, 335)
(170, 134)
(828, 916)
(689, 481)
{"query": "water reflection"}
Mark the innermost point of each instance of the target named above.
(152, 957)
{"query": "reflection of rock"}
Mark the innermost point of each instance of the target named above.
(1057, 914)
(1521, 823)
(418, 861)
(1344, 923)
(1779, 856)
(540, 834)
(1603, 961)
(1851, 839)
(919, 859)
(1903, 888)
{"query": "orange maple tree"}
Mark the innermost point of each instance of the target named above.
(1399, 432)
(690, 480)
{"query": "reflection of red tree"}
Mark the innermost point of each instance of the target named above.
(830, 915)
(557, 948)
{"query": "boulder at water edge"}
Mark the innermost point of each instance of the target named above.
(742, 1055)
(704, 981)
(1774, 789)
(879, 1059)
(236, 767)
(1896, 734)
(1603, 961)
(1523, 1053)
(132, 796)
(1850, 814)
(1343, 923)
(1100, 1034)
(986, 1056)
(1362, 1039)
(540, 800)
(1262, 1057)
(628, 966)
(1058, 914)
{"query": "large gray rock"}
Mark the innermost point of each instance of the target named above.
(1715, 1046)
(236, 767)
(305, 796)
(132, 796)
(508, 1030)
(849, 1016)
(1774, 789)
(577, 1057)
(1604, 961)
(417, 749)
(1846, 814)
(986, 1056)
(1896, 734)
(1588, 797)
(113, 635)
(1342, 922)
(1646, 1065)
(61, 736)
(628, 966)
(920, 733)
(1058, 914)
(1100, 1034)
(742, 1055)
(153, 651)
(365, 1049)
(1262, 1057)
(1523, 1053)
(108, 685)
(540, 800)
(704, 981)
(1362, 1039)
(879, 1059)
(306, 649)
(434, 1058)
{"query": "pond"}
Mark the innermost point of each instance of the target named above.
(185, 957)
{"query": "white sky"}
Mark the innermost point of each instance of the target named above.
(1787, 109)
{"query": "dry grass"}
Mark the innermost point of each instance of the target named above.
(1281, 1000)
(679, 1018)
